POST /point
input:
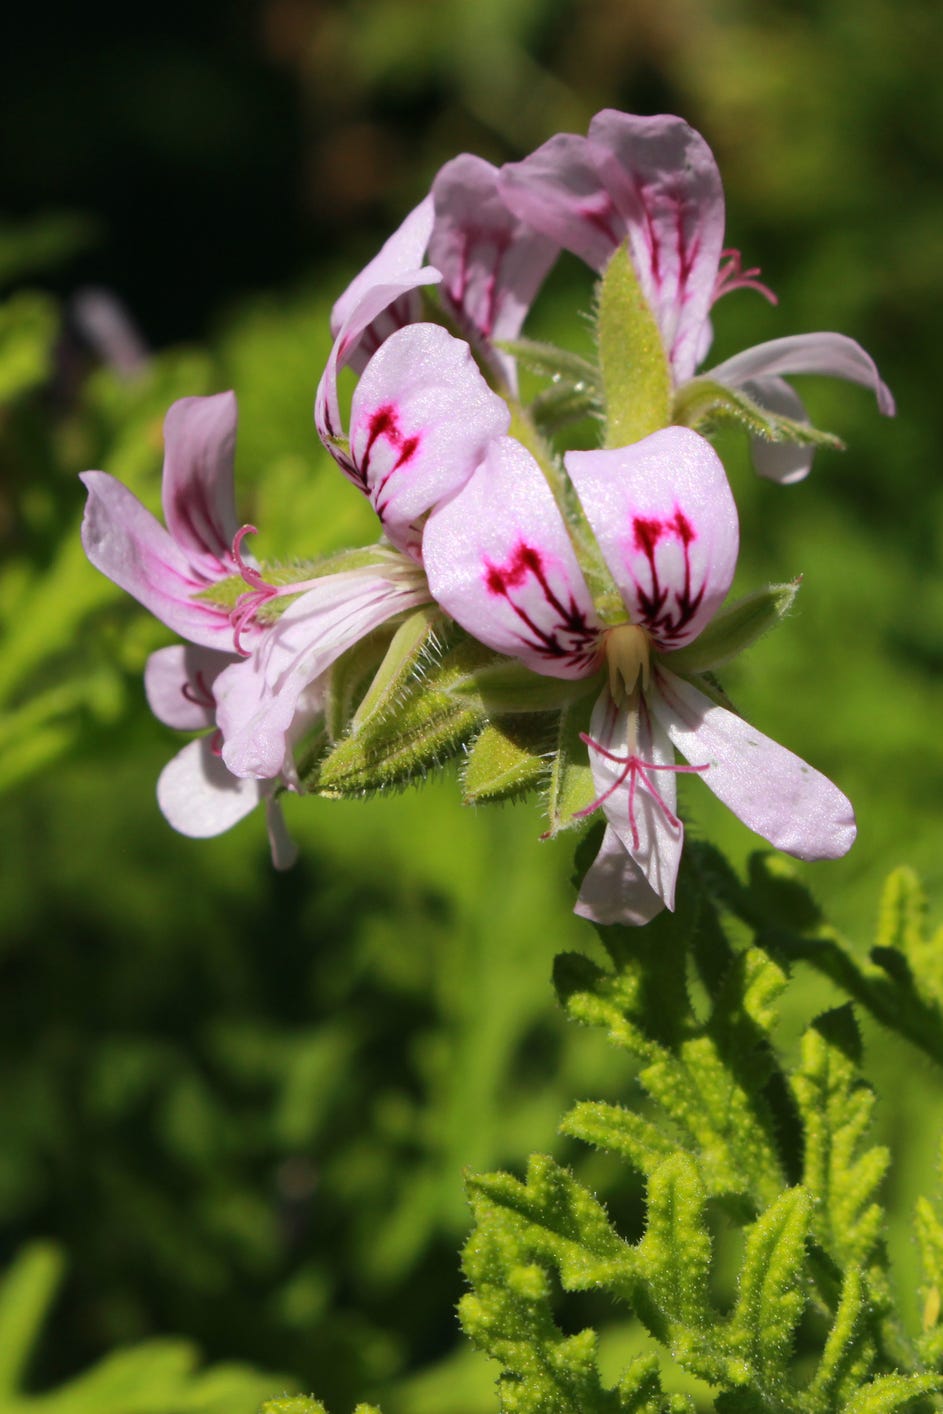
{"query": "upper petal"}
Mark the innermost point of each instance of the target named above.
(492, 264)
(560, 191)
(125, 542)
(777, 794)
(420, 420)
(833, 354)
(665, 520)
(664, 181)
(197, 489)
(402, 253)
(360, 334)
(652, 181)
(499, 560)
(259, 697)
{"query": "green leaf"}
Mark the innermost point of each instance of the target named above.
(849, 1349)
(889, 1393)
(836, 1105)
(735, 629)
(636, 378)
(771, 1287)
(507, 759)
(26, 1294)
(674, 1256)
(29, 323)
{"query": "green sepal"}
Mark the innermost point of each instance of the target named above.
(226, 592)
(508, 758)
(349, 679)
(393, 748)
(559, 364)
(505, 687)
(571, 788)
(704, 405)
(636, 377)
(413, 640)
(735, 629)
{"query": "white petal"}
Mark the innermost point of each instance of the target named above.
(832, 354)
(664, 516)
(179, 681)
(614, 889)
(199, 797)
(639, 804)
(774, 792)
(499, 560)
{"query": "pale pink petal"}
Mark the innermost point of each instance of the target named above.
(650, 181)
(665, 520)
(179, 682)
(199, 797)
(492, 265)
(633, 766)
(831, 354)
(499, 560)
(197, 489)
(784, 462)
(421, 419)
(559, 191)
(614, 889)
(359, 335)
(402, 253)
(125, 542)
(258, 698)
(664, 181)
(772, 791)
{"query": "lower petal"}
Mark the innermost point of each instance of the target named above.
(615, 890)
(772, 791)
(199, 797)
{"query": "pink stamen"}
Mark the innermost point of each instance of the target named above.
(260, 592)
(732, 276)
(635, 769)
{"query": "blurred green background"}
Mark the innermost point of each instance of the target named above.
(240, 1103)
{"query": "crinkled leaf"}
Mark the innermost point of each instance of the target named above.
(771, 1287)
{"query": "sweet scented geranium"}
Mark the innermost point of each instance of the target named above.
(553, 616)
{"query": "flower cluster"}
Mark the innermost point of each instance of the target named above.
(555, 615)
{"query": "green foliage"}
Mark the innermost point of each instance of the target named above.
(810, 1324)
(155, 1377)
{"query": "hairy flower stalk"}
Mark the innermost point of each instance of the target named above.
(578, 592)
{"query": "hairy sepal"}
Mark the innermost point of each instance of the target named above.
(506, 687)
(636, 377)
(735, 628)
(705, 405)
(571, 788)
(508, 758)
(426, 728)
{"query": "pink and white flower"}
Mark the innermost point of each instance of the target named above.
(652, 184)
(665, 522)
